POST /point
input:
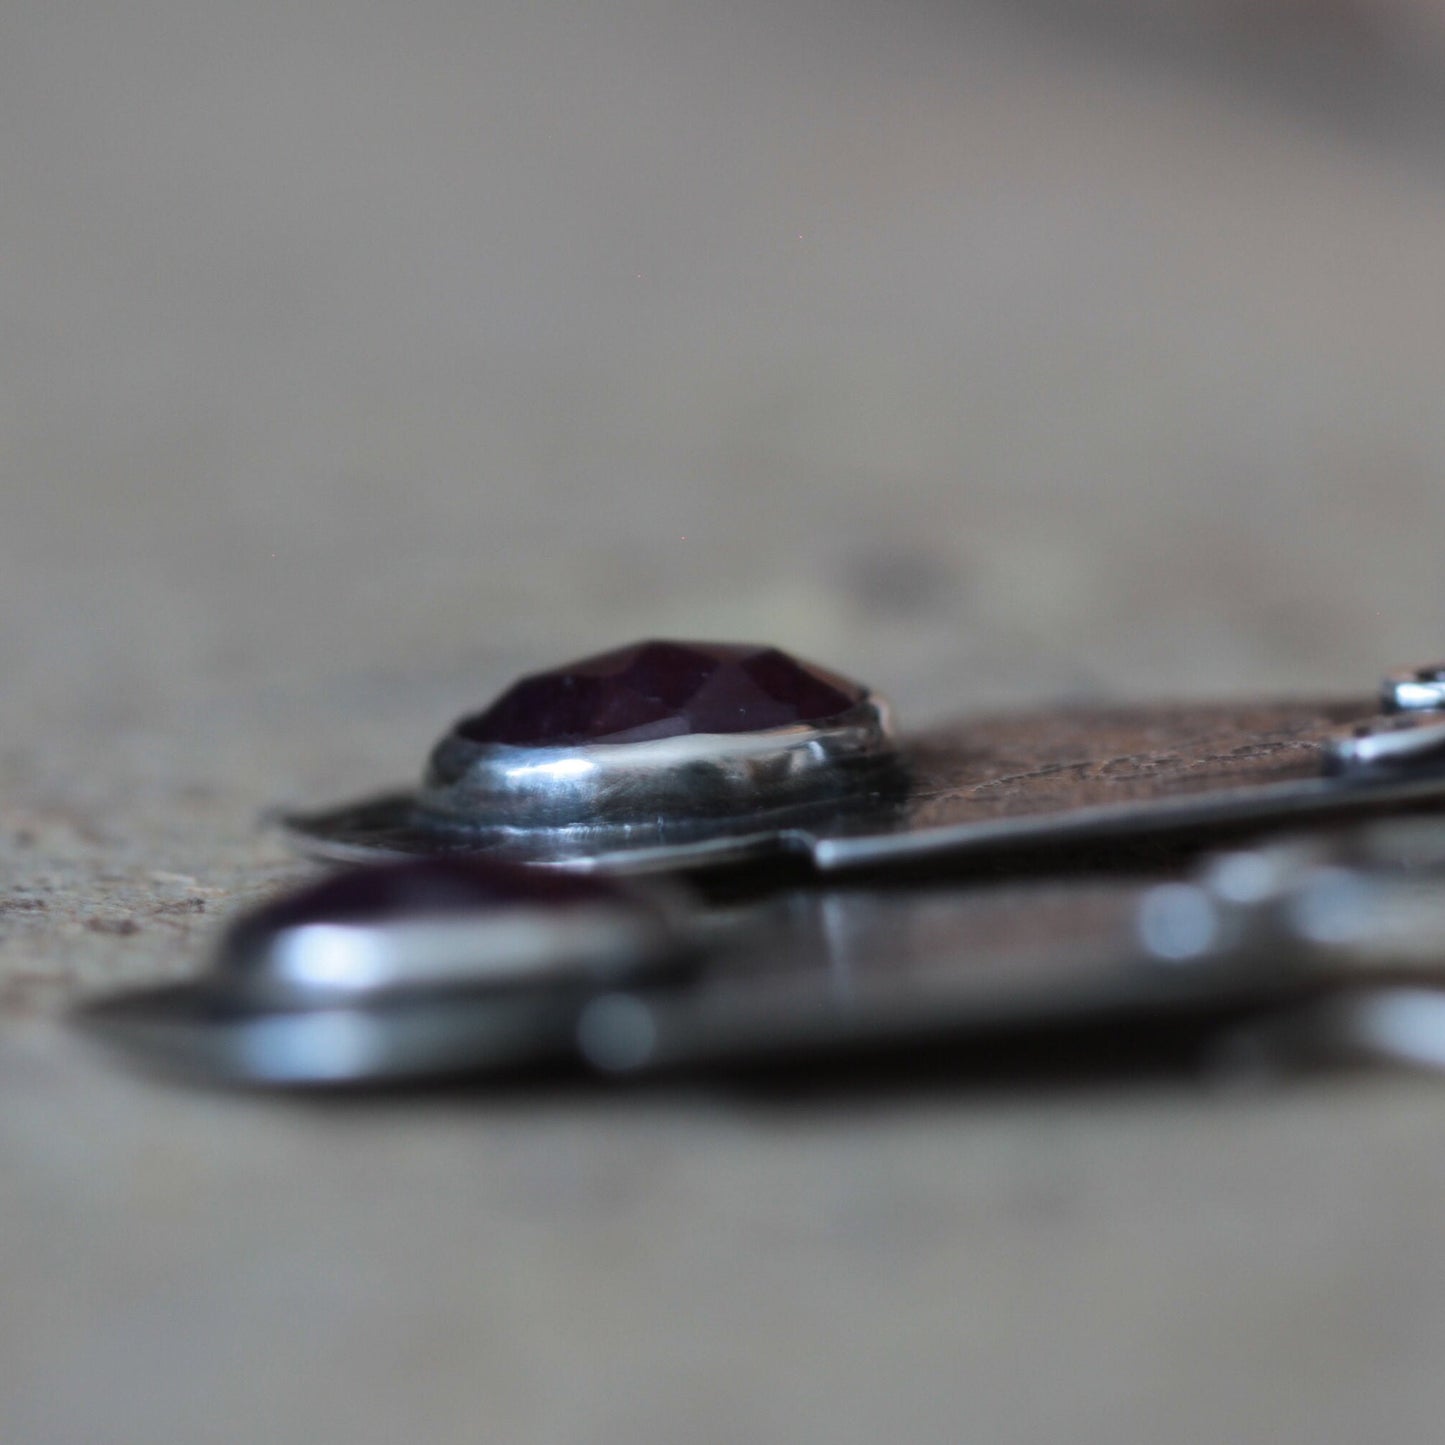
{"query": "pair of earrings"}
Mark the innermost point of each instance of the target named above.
(497, 924)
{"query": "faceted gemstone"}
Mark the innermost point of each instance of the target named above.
(661, 690)
(424, 887)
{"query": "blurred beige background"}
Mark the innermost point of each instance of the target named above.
(354, 356)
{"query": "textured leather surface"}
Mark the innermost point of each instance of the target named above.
(1055, 761)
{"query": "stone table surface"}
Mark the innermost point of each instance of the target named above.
(356, 356)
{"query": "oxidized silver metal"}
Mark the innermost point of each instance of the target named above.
(649, 789)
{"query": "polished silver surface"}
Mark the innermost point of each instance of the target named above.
(1416, 689)
(211, 1036)
(648, 790)
(391, 827)
(1360, 906)
(850, 797)
(1356, 918)
(797, 977)
(1412, 744)
(406, 994)
(883, 836)
(333, 963)
(1324, 946)
(1397, 1027)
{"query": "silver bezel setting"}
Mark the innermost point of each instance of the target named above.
(654, 788)
(884, 804)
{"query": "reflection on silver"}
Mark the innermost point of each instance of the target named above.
(1357, 919)
(845, 795)
(330, 963)
(1179, 922)
(1368, 903)
(1302, 799)
(1418, 689)
(877, 830)
(1248, 876)
(616, 1033)
(1395, 1026)
(648, 788)
(759, 983)
(1413, 745)
(1332, 906)
(1328, 938)
(402, 996)
(200, 1033)
(330, 1047)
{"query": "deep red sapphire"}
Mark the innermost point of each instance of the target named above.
(660, 690)
(423, 887)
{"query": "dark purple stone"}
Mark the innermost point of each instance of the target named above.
(423, 887)
(662, 690)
